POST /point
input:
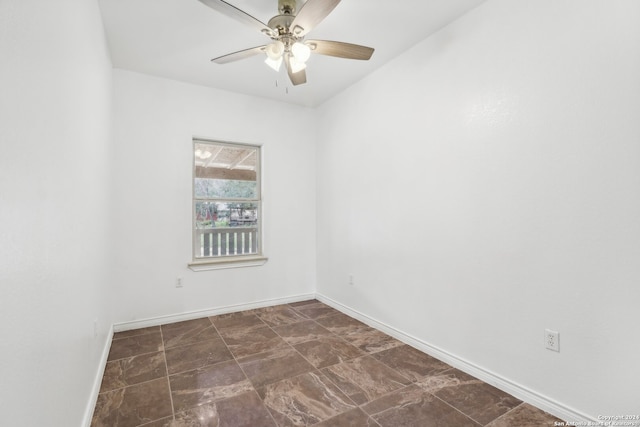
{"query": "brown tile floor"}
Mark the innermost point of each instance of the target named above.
(301, 364)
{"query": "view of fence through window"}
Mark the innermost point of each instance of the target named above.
(226, 197)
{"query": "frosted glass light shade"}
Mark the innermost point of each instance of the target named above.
(274, 63)
(296, 66)
(301, 51)
(275, 50)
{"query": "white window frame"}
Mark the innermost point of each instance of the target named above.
(200, 263)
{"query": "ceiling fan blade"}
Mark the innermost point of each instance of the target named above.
(340, 49)
(239, 15)
(296, 78)
(311, 14)
(237, 56)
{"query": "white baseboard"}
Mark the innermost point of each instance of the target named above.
(97, 381)
(521, 392)
(190, 315)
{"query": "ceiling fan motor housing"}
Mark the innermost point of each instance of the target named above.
(281, 23)
(287, 7)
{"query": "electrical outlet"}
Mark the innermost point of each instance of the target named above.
(351, 280)
(552, 340)
(179, 282)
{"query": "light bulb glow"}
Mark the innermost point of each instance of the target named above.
(204, 155)
(301, 51)
(296, 66)
(275, 50)
(274, 63)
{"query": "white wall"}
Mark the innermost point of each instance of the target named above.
(155, 121)
(484, 186)
(480, 188)
(55, 86)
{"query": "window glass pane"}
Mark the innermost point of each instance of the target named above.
(226, 189)
(226, 214)
(225, 171)
(206, 188)
(226, 229)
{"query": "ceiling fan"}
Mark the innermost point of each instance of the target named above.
(287, 31)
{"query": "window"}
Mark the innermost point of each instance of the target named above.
(226, 204)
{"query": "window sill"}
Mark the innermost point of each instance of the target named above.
(228, 262)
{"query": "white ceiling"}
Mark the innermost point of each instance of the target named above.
(176, 39)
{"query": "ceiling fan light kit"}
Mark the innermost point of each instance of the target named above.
(275, 50)
(274, 63)
(287, 31)
(274, 53)
(296, 65)
(301, 51)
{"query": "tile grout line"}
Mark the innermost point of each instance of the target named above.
(166, 368)
(205, 366)
(291, 346)
(346, 341)
(339, 337)
(134, 335)
(131, 385)
(380, 397)
(196, 343)
(369, 354)
(130, 358)
(314, 368)
(413, 382)
(331, 332)
(306, 318)
(364, 354)
(235, 359)
(456, 409)
(467, 415)
(319, 371)
(423, 390)
(505, 414)
(335, 334)
(134, 356)
(357, 406)
(287, 342)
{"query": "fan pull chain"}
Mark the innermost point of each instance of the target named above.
(286, 88)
